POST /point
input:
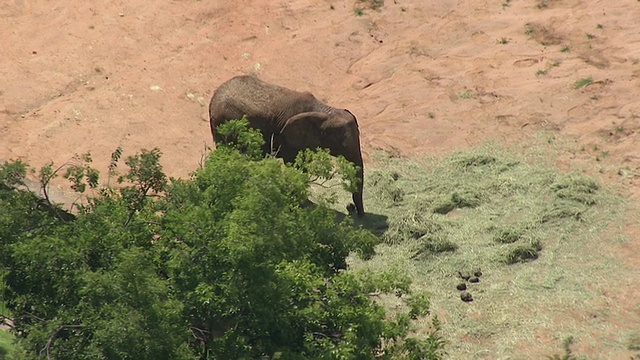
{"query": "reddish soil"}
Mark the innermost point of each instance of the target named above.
(421, 76)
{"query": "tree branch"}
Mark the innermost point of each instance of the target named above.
(5, 320)
(199, 334)
(47, 347)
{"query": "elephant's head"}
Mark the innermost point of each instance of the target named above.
(337, 131)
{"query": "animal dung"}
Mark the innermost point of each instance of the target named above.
(463, 274)
(467, 277)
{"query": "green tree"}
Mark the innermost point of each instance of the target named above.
(231, 263)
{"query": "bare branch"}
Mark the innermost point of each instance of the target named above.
(47, 348)
(274, 152)
(199, 334)
(35, 317)
(203, 155)
(7, 321)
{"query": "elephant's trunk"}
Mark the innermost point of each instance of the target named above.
(357, 196)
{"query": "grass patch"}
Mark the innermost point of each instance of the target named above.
(529, 29)
(543, 4)
(509, 235)
(495, 199)
(373, 4)
(433, 245)
(634, 341)
(532, 230)
(6, 345)
(465, 95)
(543, 34)
(567, 352)
(455, 201)
(582, 82)
(367, 4)
(522, 252)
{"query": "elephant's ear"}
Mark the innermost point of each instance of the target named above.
(302, 131)
(354, 117)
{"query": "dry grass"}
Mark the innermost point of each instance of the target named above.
(544, 34)
(532, 229)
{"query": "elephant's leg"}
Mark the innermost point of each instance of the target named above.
(357, 196)
(357, 200)
(217, 138)
(287, 154)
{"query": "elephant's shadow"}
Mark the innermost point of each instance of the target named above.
(376, 223)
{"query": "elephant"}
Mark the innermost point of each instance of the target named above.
(290, 121)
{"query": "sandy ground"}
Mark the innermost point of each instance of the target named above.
(422, 77)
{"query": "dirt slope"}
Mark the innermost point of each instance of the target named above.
(422, 76)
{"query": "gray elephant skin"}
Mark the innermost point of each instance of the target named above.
(290, 121)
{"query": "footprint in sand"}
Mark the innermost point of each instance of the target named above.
(525, 62)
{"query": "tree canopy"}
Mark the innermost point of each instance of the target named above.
(231, 263)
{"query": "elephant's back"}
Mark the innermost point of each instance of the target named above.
(248, 95)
